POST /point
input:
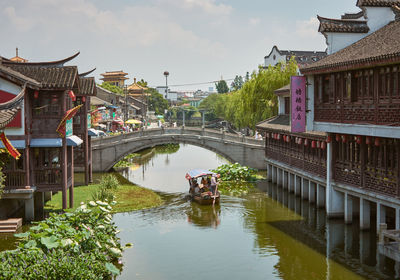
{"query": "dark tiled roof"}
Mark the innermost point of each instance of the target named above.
(380, 47)
(377, 3)
(353, 15)
(56, 63)
(9, 109)
(18, 78)
(283, 90)
(87, 86)
(86, 73)
(342, 25)
(281, 123)
(49, 77)
(302, 57)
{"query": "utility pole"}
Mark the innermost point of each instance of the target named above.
(166, 74)
(126, 105)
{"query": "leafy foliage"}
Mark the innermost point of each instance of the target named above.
(235, 172)
(108, 183)
(112, 88)
(78, 245)
(4, 158)
(235, 188)
(126, 161)
(222, 86)
(256, 100)
(157, 103)
(237, 83)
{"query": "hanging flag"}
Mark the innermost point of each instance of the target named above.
(9, 147)
(68, 115)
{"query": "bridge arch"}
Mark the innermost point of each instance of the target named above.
(107, 151)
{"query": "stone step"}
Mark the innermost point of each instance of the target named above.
(10, 225)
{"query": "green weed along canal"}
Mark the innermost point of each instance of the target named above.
(248, 237)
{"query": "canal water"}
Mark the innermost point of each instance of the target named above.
(266, 234)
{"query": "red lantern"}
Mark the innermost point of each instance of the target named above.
(284, 138)
(83, 99)
(337, 137)
(36, 94)
(313, 144)
(306, 142)
(323, 145)
(368, 140)
(72, 95)
(300, 141)
(329, 139)
(358, 139)
(344, 138)
(377, 141)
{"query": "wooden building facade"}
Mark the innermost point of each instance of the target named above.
(47, 159)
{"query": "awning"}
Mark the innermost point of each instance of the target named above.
(18, 144)
(132, 121)
(113, 107)
(74, 141)
(55, 142)
(93, 132)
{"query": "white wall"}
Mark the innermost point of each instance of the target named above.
(13, 89)
(273, 61)
(337, 41)
(378, 17)
(281, 105)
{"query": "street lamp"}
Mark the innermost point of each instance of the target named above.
(166, 74)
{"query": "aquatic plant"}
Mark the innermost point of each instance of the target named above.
(75, 245)
(108, 183)
(236, 172)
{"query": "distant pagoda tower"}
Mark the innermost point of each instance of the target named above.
(136, 90)
(16, 58)
(116, 78)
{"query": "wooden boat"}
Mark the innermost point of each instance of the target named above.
(201, 193)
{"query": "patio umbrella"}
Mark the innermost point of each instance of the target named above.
(132, 121)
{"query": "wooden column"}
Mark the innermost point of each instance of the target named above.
(86, 144)
(64, 159)
(363, 160)
(27, 123)
(71, 189)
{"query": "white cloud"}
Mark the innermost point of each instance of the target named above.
(21, 23)
(254, 21)
(308, 28)
(209, 6)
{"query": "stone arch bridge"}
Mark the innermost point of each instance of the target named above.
(107, 151)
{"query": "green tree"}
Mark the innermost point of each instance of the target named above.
(222, 86)
(156, 101)
(112, 88)
(142, 83)
(237, 83)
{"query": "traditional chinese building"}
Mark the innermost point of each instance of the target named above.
(139, 97)
(302, 57)
(353, 98)
(43, 130)
(116, 78)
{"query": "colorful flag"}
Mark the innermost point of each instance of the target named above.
(9, 147)
(68, 115)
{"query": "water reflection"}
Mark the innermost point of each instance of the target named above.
(266, 234)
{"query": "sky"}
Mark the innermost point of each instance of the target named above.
(196, 41)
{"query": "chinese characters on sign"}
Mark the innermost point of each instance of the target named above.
(298, 96)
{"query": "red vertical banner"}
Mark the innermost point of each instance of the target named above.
(298, 97)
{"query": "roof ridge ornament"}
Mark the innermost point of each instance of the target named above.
(396, 11)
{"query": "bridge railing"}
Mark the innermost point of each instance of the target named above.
(113, 140)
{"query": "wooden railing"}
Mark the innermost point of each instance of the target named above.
(15, 179)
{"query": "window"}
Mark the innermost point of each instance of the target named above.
(47, 104)
(326, 88)
(47, 157)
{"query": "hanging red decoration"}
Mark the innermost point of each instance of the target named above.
(337, 137)
(313, 144)
(36, 94)
(358, 139)
(323, 145)
(377, 141)
(284, 138)
(300, 141)
(83, 99)
(306, 142)
(72, 95)
(344, 138)
(329, 139)
(368, 140)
